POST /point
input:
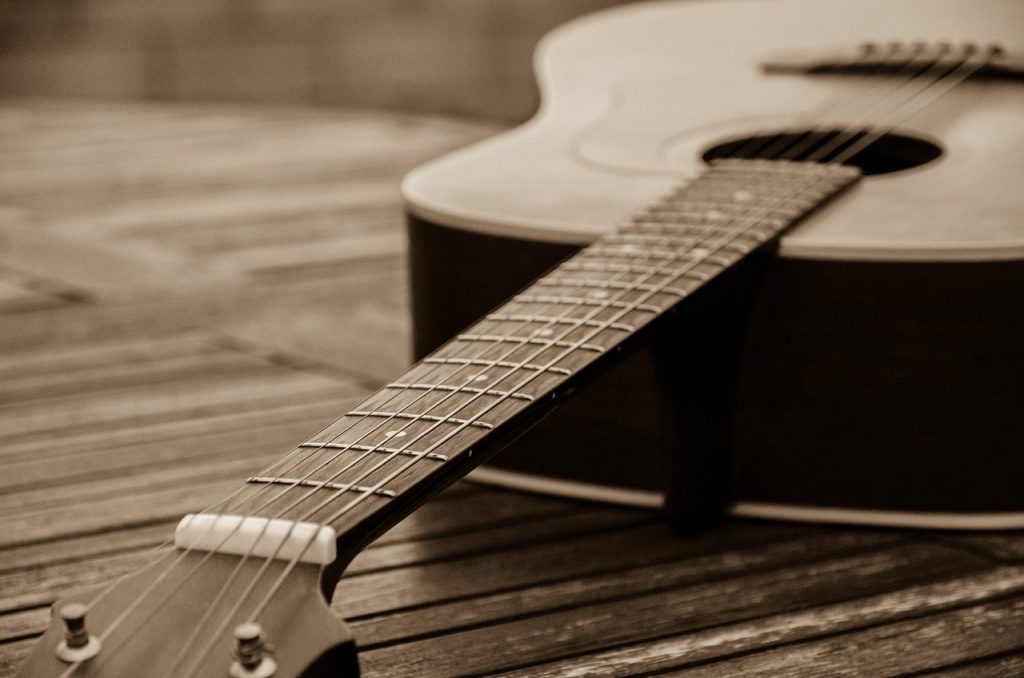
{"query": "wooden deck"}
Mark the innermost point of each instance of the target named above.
(171, 276)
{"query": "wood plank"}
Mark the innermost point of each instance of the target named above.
(671, 611)
(576, 555)
(575, 591)
(788, 629)
(882, 651)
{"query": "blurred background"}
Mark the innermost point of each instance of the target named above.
(464, 57)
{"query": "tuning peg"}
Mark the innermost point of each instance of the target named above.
(251, 659)
(78, 645)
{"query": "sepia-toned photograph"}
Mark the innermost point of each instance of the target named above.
(520, 338)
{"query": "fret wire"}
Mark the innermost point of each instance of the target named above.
(733, 209)
(421, 416)
(461, 389)
(597, 250)
(845, 178)
(501, 363)
(607, 267)
(758, 234)
(631, 250)
(638, 287)
(557, 320)
(648, 270)
(714, 218)
(267, 480)
(495, 338)
(667, 240)
(580, 301)
(665, 229)
(371, 448)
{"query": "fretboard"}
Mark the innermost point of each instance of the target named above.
(440, 418)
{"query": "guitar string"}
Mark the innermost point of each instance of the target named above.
(923, 84)
(381, 483)
(396, 395)
(959, 75)
(789, 149)
(513, 370)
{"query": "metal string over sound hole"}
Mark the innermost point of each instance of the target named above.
(915, 75)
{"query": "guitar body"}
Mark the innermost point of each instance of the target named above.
(870, 370)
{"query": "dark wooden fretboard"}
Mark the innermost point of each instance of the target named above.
(440, 418)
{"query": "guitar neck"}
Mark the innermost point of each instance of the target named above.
(444, 416)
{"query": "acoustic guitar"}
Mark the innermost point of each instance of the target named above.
(865, 365)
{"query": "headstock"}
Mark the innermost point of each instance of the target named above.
(154, 623)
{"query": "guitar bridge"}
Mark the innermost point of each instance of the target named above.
(899, 58)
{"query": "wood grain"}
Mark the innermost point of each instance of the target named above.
(121, 409)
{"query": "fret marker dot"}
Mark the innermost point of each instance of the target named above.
(713, 215)
(742, 196)
(543, 333)
(600, 294)
(394, 434)
(699, 252)
(480, 377)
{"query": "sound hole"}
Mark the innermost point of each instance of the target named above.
(889, 153)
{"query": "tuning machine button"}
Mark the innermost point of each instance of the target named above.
(78, 644)
(251, 658)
